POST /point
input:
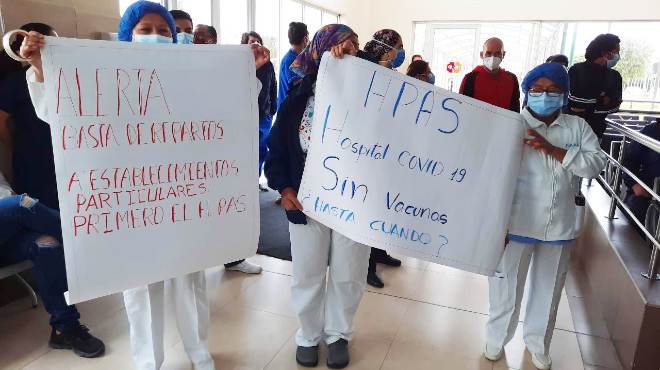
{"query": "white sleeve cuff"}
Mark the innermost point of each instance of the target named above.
(37, 94)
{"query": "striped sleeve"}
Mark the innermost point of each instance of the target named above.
(578, 96)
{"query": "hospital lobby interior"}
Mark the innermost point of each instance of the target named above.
(419, 314)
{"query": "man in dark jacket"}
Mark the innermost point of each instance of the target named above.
(596, 89)
(645, 164)
(489, 82)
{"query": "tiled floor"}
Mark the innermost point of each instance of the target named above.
(427, 317)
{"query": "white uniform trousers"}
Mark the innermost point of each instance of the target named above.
(549, 264)
(145, 309)
(326, 310)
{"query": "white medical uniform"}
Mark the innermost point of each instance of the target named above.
(145, 309)
(145, 305)
(329, 279)
(544, 210)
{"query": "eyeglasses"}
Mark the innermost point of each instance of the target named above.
(538, 92)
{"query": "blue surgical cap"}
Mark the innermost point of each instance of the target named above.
(136, 11)
(555, 72)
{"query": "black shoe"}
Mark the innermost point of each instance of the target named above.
(338, 354)
(307, 356)
(79, 340)
(386, 259)
(374, 280)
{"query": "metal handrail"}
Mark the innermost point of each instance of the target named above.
(635, 135)
(642, 112)
(650, 143)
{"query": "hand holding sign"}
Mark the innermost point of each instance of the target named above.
(290, 200)
(538, 142)
(31, 51)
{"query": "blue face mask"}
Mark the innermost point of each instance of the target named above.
(612, 62)
(431, 78)
(545, 105)
(152, 39)
(184, 38)
(398, 60)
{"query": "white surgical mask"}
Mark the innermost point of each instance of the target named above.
(152, 39)
(492, 63)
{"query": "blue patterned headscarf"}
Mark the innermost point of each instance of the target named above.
(136, 11)
(325, 38)
(553, 71)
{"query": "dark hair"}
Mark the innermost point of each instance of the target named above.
(246, 36)
(297, 32)
(387, 37)
(42, 28)
(212, 31)
(601, 44)
(416, 56)
(180, 14)
(417, 67)
(558, 58)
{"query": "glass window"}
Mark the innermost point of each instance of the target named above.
(199, 10)
(290, 11)
(312, 17)
(267, 25)
(233, 20)
(418, 42)
(329, 18)
(528, 44)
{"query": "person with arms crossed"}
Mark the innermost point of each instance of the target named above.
(596, 88)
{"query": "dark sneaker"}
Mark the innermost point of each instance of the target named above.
(307, 356)
(79, 340)
(374, 280)
(386, 259)
(338, 354)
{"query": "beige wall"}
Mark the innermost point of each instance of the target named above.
(72, 18)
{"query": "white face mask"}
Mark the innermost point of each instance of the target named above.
(492, 63)
(152, 39)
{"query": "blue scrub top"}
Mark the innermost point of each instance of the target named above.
(32, 153)
(287, 77)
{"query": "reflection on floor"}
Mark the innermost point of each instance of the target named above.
(427, 317)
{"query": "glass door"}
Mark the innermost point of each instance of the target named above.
(452, 51)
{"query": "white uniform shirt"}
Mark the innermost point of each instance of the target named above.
(544, 204)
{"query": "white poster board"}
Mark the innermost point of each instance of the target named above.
(156, 159)
(398, 164)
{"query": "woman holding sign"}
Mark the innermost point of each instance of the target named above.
(559, 148)
(147, 22)
(325, 310)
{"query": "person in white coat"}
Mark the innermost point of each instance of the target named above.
(558, 149)
(329, 269)
(146, 21)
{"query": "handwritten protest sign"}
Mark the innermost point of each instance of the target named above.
(399, 164)
(156, 159)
